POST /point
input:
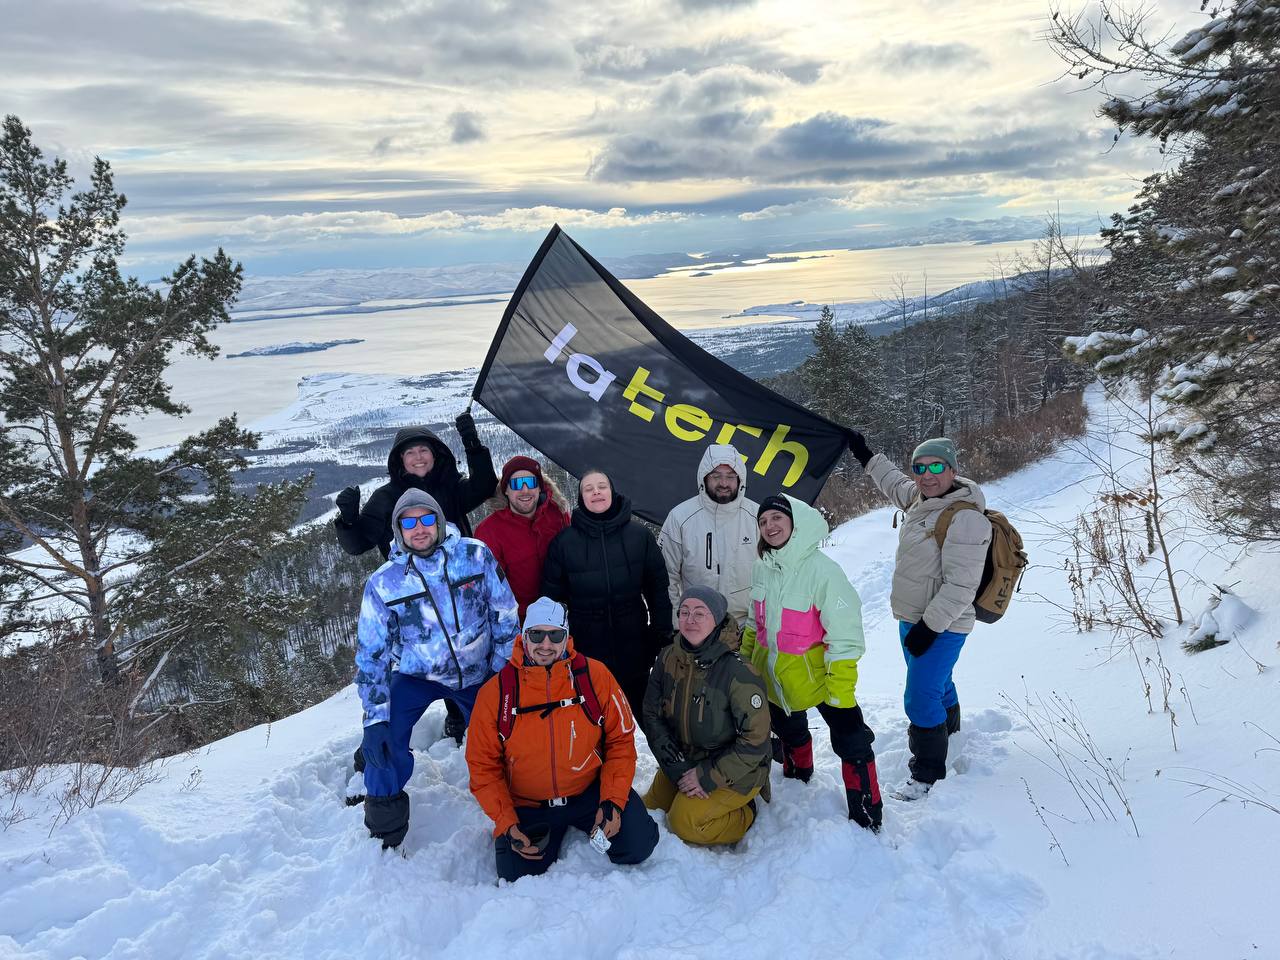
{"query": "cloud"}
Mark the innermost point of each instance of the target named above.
(466, 127)
(697, 5)
(690, 126)
(719, 125)
(827, 137)
(602, 55)
(309, 227)
(778, 211)
(914, 57)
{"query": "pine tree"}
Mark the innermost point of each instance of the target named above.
(1190, 308)
(150, 554)
(824, 373)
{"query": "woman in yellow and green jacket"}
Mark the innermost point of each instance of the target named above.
(805, 638)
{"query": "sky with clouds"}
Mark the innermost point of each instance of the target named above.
(305, 134)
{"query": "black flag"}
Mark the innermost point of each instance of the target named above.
(591, 377)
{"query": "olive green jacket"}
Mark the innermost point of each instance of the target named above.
(705, 707)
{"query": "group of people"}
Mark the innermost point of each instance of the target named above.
(553, 634)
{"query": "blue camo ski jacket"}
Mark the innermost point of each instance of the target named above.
(448, 617)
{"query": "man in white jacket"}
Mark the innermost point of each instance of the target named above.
(709, 540)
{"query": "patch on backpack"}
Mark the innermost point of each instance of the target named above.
(842, 603)
(756, 701)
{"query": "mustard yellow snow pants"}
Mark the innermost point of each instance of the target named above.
(723, 817)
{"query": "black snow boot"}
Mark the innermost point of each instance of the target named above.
(358, 763)
(387, 818)
(797, 762)
(455, 724)
(953, 719)
(928, 746)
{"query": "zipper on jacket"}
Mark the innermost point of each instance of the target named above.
(608, 581)
(687, 708)
(439, 619)
(551, 738)
(457, 622)
(709, 550)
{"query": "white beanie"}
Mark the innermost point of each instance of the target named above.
(545, 612)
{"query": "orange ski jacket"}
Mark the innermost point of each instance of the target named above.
(557, 755)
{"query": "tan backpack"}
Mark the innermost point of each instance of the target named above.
(1006, 561)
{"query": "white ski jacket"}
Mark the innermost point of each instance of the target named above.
(711, 544)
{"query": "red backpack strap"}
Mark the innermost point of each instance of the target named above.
(508, 697)
(581, 671)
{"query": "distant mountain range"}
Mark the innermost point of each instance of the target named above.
(376, 290)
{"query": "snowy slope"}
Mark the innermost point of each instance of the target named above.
(255, 855)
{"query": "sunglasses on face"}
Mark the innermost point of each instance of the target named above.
(934, 468)
(408, 523)
(523, 483)
(554, 635)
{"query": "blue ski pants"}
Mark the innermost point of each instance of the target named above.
(930, 689)
(409, 699)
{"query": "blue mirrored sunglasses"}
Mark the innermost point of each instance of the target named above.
(934, 468)
(523, 483)
(408, 523)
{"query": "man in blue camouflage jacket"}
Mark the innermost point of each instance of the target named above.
(437, 620)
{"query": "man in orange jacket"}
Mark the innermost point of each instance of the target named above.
(551, 745)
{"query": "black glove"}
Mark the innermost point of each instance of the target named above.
(609, 810)
(348, 502)
(858, 447)
(467, 431)
(919, 639)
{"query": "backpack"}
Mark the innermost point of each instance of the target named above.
(509, 696)
(1006, 561)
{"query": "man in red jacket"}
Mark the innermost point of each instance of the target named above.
(519, 535)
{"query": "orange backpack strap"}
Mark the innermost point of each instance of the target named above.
(943, 523)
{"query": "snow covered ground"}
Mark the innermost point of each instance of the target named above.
(245, 849)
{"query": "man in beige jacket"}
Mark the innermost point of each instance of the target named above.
(933, 591)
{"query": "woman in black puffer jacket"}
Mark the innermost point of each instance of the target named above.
(360, 530)
(607, 569)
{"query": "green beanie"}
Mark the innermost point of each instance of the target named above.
(939, 447)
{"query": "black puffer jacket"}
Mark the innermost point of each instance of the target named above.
(607, 569)
(456, 494)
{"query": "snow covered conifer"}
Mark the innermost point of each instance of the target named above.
(149, 554)
(1190, 308)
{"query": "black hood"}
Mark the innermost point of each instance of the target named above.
(597, 524)
(445, 469)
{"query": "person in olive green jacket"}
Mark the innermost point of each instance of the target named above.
(805, 638)
(708, 725)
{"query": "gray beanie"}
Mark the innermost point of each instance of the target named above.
(416, 498)
(712, 598)
(940, 447)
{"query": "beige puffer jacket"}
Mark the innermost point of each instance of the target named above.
(936, 585)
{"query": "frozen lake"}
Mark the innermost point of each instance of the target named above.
(425, 339)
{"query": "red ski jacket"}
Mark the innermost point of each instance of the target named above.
(520, 546)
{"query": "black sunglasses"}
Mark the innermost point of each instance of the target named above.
(554, 635)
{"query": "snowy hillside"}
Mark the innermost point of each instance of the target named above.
(245, 849)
